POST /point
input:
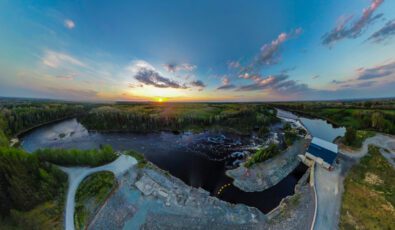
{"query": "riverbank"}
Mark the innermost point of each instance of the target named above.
(266, 174)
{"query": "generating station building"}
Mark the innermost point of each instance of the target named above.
(322, 152)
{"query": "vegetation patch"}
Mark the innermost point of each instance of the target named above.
(290, 134)
(32, 192)
(364, 115)
(141, 161)
(262, 155)
(369, 194)
(73, 157)
(90, 195)
(240, 118)
(355, 138)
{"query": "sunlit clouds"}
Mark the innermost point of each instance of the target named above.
(55, 59)
(201, 51)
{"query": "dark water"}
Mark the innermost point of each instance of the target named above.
(197, 159)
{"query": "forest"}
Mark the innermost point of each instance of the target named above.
(32, 189)
(242, 118)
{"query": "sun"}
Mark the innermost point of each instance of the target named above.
(160, 99)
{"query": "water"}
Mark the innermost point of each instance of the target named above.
(317, 127)
(322, 129)
(194, 158)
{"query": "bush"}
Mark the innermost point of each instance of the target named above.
(262, 155)
(139, 157)
(91, 193)
(350, 136)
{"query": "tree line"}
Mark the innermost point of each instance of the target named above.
(243, 118)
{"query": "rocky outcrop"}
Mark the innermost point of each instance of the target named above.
(266, 174)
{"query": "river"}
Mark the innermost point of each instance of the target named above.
(200, 160)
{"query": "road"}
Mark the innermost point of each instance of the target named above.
(77, 174)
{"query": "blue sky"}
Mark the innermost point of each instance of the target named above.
(197, 50)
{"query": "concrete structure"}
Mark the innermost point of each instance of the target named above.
(322, 152)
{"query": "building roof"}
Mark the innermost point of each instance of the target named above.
(323, 149)
(325, 144)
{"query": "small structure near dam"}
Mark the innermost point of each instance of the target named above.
(322, 152)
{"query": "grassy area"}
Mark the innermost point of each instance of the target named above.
(369, 194)
(91, 194)
(262, 155)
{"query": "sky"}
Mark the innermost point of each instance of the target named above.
(206, 50)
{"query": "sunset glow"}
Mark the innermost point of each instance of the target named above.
(255, 51)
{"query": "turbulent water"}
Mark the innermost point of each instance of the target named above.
(200, 160)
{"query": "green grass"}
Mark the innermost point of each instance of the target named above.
(369, 194)
(91, 194)
(262, 155)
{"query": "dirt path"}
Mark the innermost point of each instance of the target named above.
(77, 174)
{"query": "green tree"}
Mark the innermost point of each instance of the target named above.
(350, 135)
(378, 121)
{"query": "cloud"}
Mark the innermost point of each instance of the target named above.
(359, 85)
(198, 83)
(131, 85)
(346, 28)
(151, 77)
(225, 80)
(57, 59)
(384, 33)
(69, 24)
(279, 83)
(377, 72)
(226, 84)
(173, 68)
(315, 77)
(234, 64)
(226, 87)
(337, 82)
(269, 53)
(65, 77)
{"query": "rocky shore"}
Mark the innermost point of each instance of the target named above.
(150, 198)
(266, 174)
(145, 194)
